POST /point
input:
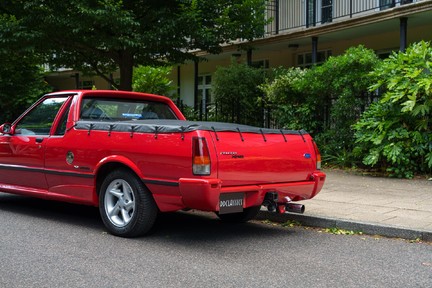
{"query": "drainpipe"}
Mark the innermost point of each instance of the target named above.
(314, 50)
(249, 57)
(77, 80)
(315, 12)
(178, 81)
(197, 105)
(277, 16)
(403, 33)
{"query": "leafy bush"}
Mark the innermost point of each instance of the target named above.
(152, 80)
(284, 97)
(395, 133)
(236, 93)
(325, 100)
(340, 86)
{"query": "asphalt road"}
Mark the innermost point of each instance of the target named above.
(49, 244)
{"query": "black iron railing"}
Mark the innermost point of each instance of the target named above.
(292, 14)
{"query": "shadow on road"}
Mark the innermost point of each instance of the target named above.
(180, 227)
(51, 210)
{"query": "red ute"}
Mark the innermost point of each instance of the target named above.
(134, 155)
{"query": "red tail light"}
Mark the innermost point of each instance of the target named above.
(317, 155)
(201, 163)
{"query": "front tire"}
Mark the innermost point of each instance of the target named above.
(126, 207)
(241, 217)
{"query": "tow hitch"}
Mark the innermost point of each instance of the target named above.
(272, 204)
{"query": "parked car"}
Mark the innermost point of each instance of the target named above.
(135, 155)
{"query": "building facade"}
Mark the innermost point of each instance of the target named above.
(301, 33)
(307, 32)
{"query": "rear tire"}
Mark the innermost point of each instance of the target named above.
(241, 217)
(126, 207)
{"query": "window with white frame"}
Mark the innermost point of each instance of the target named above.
(260, 64)
(319, 11)
(204, 91)
(386, 4)
(305, 59)
(326, 11)
(383, 54)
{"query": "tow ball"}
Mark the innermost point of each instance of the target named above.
(272, 204)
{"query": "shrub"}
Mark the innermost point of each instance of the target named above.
(236, 93)
(152, 80)
(395, 133)
(325, 100)
(289, 107)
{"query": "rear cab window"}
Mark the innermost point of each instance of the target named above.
(113, 110)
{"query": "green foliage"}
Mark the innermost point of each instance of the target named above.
(325, 100)
(21, 83)
(340, 86)
(289, 105)
(338, 231)
(395, 133)
(236, 93)
(190, 113)
(152, 80)
(103, 36)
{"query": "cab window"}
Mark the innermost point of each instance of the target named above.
(39, 120)
(114, 110)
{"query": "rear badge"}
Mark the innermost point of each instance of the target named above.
(307, 155)
(228, 153)
(233, 155)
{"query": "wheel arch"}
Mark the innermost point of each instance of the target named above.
(110, 164)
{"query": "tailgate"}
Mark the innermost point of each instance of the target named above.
(260, 158)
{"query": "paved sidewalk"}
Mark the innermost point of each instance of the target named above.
(373, 205)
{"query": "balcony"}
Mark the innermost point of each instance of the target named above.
(292, 15)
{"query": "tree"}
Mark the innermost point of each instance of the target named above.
(104, 35)
(21, 83)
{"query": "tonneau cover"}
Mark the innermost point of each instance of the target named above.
(178, 126)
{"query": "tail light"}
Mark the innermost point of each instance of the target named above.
(200, 157)
(317, 155)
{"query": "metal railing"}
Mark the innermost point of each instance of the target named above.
(293, 14)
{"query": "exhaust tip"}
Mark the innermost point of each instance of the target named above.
(295, 208)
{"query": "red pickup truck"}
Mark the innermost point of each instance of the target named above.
(134, 155)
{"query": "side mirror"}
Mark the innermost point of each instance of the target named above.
(6, 128)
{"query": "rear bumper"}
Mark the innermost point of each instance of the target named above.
(204, 194)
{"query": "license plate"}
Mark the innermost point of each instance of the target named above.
(231, 203)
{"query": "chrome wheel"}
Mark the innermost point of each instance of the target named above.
(119, 203)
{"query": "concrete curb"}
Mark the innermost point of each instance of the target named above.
(366, 228)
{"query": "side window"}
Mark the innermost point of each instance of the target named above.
(40, 119)
(61, 129)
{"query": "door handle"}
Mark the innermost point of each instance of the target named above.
(39, 140)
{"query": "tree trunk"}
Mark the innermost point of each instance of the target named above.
(126, 63)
